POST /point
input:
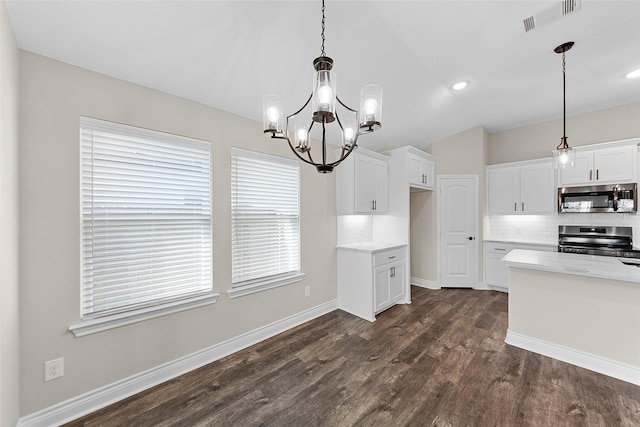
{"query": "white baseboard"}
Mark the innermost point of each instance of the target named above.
(480, 287)
(429, 284)
(594, 363)
(84, 404)
(498, 288)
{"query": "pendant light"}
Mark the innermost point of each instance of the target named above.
(564, 156)
(324, 110)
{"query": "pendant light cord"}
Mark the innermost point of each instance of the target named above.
(322, 34)
(562, 49)
(564, 103)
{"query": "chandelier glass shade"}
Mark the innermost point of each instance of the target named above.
(323, 107)
(564, 156)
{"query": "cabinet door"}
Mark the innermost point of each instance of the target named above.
(397, 283)
(415, 170)
(380, 186)
(363, 186)
(421, 172)
(581, 172)
(382, 290)
(496, 273)
(614, 165)
(428, 170)
(503, 189)
(537, 189)
(371, 185)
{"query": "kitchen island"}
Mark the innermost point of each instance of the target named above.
(581, 309)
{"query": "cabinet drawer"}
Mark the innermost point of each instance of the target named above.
(499, 248)
(385, 257)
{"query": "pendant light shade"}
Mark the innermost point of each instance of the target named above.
(564, 156)
(272, 117)
(371, 107)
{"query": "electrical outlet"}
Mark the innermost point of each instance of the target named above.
(53, 369)
(307, 291)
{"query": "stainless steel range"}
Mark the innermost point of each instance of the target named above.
(605, 240)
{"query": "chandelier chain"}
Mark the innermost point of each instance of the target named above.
(322, 34)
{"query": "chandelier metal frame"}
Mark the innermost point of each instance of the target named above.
(323, 114)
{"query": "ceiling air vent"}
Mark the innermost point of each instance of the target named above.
(529, 23)
(555, 12)
(569, 6)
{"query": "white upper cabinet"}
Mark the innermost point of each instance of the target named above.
(421, 171)
(537, 188)
(413, 168)
(613, 165)
(362, 181)
(521, 188)
(503, 189)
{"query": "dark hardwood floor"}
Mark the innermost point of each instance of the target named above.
(440, 361)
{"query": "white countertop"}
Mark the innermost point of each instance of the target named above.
(516, 242)
(371, 247)
(603, 267)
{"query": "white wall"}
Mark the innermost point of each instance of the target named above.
(537, 141)
(53, 96)
(9, 337)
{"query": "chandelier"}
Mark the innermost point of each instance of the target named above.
(325, 104)
(564, 156)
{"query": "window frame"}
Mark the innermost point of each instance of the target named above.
(247, 287)
(192, 296)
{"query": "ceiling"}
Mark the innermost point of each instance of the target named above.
(228, 54)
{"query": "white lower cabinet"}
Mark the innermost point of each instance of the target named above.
(371, 281)
(388, 284)
(496, 273)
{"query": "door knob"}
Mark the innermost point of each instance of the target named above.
(471, 238)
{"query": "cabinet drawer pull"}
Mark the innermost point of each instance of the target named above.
(499, 249)
(392, 257)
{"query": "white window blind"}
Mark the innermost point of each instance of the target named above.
(146, 218)
(265, 218)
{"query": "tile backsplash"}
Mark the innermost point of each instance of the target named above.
(544, 228)
(354, 229)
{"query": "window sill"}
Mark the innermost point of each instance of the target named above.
(102, 324)
(263, 285)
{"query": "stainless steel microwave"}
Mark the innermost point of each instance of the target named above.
(598, 198)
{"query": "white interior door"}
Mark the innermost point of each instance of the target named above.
(458, 227)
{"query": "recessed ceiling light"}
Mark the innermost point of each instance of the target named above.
(633, 74)
(459, 85)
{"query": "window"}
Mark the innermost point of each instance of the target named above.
(265, 221)
(146, 222)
